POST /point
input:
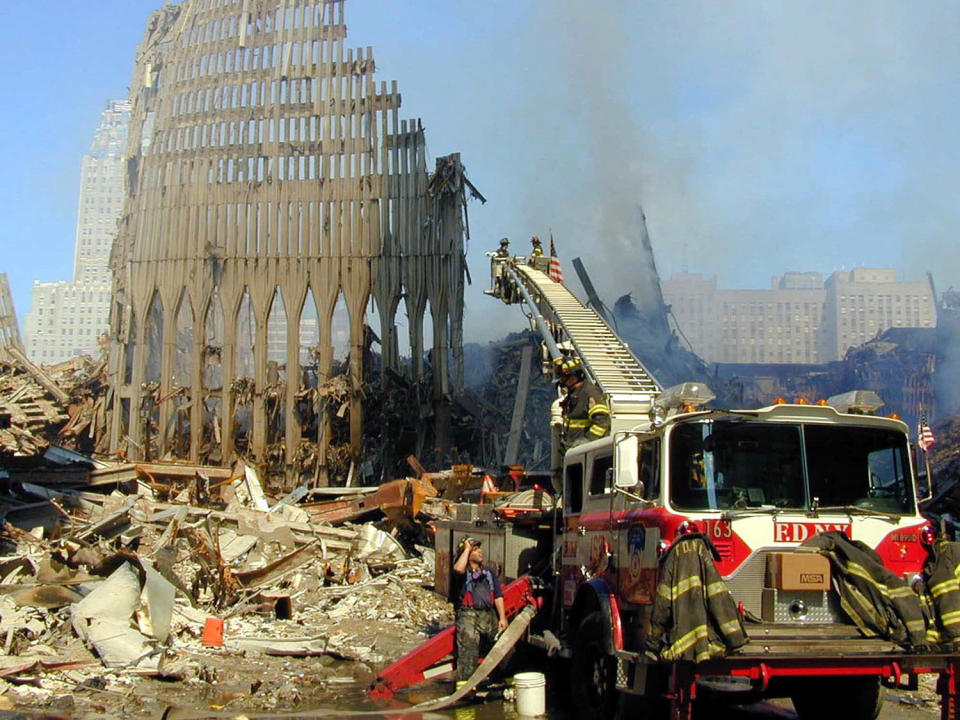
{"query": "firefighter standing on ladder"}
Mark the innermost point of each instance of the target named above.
(537, 251)
(500, 289)
(585, 415)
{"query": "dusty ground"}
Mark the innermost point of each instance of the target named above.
(213, 679)
(227, 683)
(246, 681)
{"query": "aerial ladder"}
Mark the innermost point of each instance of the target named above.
(568, 327)
(821, 661)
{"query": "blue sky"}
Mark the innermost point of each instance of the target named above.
(760, 136)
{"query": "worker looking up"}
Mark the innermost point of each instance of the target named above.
(480, 610)
(537, 248)
(585, 414)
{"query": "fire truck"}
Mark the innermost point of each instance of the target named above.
(757, 483)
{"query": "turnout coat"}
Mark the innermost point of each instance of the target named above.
(694, 616)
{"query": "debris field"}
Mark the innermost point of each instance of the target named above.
(159, 583)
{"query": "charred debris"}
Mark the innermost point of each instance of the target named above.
(113, 570)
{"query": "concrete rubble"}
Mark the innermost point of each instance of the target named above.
(944, 461)
(61, 404)
(118, 578)
(120, 582)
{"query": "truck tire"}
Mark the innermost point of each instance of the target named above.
(593, 672)
(858, 698)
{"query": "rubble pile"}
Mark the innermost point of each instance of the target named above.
(495, 372)
(900, 365)
(193, 574)
(399, 415)
(945, 455)
(645, 331)
(945, 468)
(398, 421)
(62, 403)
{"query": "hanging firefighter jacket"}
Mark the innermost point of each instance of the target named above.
(694, 615)
(940, 573)
(876, 599)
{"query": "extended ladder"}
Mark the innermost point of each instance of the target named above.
(621, 377)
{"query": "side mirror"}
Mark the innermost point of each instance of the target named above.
(923, 477)
(627, 449)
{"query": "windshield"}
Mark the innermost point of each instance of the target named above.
(734, 465)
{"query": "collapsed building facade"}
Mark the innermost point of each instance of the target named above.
(271, 181)
(9, 328)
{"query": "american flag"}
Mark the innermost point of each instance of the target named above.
(555, 273)
(925, 437)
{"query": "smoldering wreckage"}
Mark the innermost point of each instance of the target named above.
(119, 575)
(132, 586)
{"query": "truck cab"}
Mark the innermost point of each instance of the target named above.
(756, 484)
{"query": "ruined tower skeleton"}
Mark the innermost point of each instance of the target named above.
(268, 174)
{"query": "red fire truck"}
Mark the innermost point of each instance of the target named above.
(757, 483)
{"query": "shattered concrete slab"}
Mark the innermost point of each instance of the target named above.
(105, 617)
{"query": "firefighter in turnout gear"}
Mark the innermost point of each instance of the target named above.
(585, 415)
(537, 251)
(481, 614)
(500, 289)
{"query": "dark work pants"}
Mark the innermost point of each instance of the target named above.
(472, 626)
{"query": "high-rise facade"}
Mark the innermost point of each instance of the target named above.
(101, 196)
(865, 301)
(800, 320)
(67, 318)
(271, 182)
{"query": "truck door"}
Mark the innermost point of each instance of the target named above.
(637, 535)
(597, 544)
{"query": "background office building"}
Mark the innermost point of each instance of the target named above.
(801, 319)
(67, 318)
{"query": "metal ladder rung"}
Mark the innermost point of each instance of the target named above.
(610, 360)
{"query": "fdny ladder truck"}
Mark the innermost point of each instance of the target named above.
(755, 483)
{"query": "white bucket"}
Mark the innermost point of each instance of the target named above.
(530, 689)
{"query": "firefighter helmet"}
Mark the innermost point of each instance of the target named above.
(463, 543)
(569, 367)
(535, 240)
(504, 242)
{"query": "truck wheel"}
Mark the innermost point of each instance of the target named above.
(593, 672)
(849, 698)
